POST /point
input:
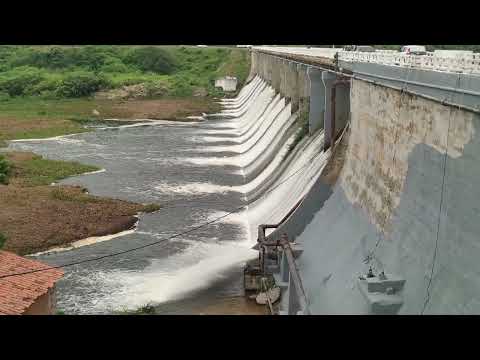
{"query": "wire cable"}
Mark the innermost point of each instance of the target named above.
(435, 251)
(164, 239)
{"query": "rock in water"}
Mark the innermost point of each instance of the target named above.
(95, 112)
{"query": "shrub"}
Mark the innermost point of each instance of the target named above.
(81, 84)
(152, 59)
(17, 82)
(48, 85)
(4, 96)
(156, 88)
(303, 124)
(3, 238)
(90, 57)
(5, 169)
(149, 208)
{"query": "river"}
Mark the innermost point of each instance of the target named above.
(199, 171)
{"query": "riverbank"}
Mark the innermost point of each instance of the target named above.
(32, 118)
(35, 216)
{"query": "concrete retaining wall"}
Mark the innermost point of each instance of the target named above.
(407, 199)
(385, 210)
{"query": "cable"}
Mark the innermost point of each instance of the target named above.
(435, 251)
(161, 240)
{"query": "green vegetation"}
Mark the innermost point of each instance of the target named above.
(302, 122)
(147, 309)
(3, 238)
(237, 64)
(63, 194)
(151, 59)
(39, 171)
(79, 71)
(4, 170)
(43, 88)
(149, 208)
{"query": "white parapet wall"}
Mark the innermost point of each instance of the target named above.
(227, 83)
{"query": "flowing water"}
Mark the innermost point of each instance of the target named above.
(200, 171)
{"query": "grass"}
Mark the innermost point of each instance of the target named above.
(64, 195)
(35, 170)
(34, 117)
(237, 64)
(150, 208)
(302, 122)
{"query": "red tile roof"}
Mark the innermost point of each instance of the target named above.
(17, 293)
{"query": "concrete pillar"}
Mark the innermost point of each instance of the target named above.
(303, 88)
(328, 80)
(275, 73)
(293, 305)
(267, 69)
(317, 100)
(284, 90)
(284, 272)
(342, 106)
(253, 66)
(293, 86)
(260, 66)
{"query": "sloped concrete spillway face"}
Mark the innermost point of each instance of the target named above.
(275, 178)
(407, 158)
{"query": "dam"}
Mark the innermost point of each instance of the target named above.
(350, 176)
(390, 224)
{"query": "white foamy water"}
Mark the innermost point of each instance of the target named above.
(268, 171)
(192, 188)
(93, 172)
(84, 242)
(294, 183)
(236, 218)
(172, 278)
(61, 138)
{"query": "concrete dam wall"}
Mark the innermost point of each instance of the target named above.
(404, 199)
(263, 132)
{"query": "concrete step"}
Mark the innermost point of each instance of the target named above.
(375, 284)
(380, 303)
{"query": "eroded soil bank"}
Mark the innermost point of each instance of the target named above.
(38, 217)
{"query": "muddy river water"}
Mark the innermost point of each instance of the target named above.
(153, 163)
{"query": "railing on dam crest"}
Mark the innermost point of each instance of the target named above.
(467, 63)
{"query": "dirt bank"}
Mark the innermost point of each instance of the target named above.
(156, 109)
(33, 219)
(40, 118)
(37, 218)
